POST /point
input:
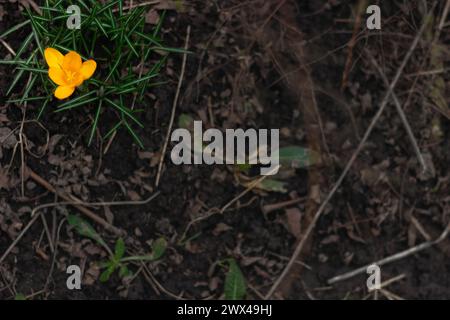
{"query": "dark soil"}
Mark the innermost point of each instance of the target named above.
(236, 78)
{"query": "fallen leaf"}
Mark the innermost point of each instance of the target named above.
(109, 215)
(144, 155)
(152, 17)
(294, 217)
(220, 228)
(134, 196)
(330, 239)
(7, 138)
(91, 275)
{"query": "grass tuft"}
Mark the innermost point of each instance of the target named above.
(116, 39)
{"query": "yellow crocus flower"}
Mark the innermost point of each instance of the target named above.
(68, 71)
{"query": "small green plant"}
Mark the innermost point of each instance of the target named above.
(114, 36)
(20, 296)
(235, 285)
(116, 261)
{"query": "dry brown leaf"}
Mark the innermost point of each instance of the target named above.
(134, 196)
(91, 275)
(294, 216)
(109, 215)
(152, 17)
(7, 138)
(220, 228)
(144, 155)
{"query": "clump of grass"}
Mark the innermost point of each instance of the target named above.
(114, 37)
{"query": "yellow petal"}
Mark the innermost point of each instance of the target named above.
(72, 61)
(77, 79)
(88, 69)
(63, 92)
(57, 76)
(53, 57)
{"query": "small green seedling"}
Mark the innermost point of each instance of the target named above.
(235, 284)
(20, 296)
(116, 261)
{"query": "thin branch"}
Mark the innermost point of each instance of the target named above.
(76, 204)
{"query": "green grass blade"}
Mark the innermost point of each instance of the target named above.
(42, 109)
(133, 134)
(95, 124)
(14, 29)
(125, 111)
(77, 104)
